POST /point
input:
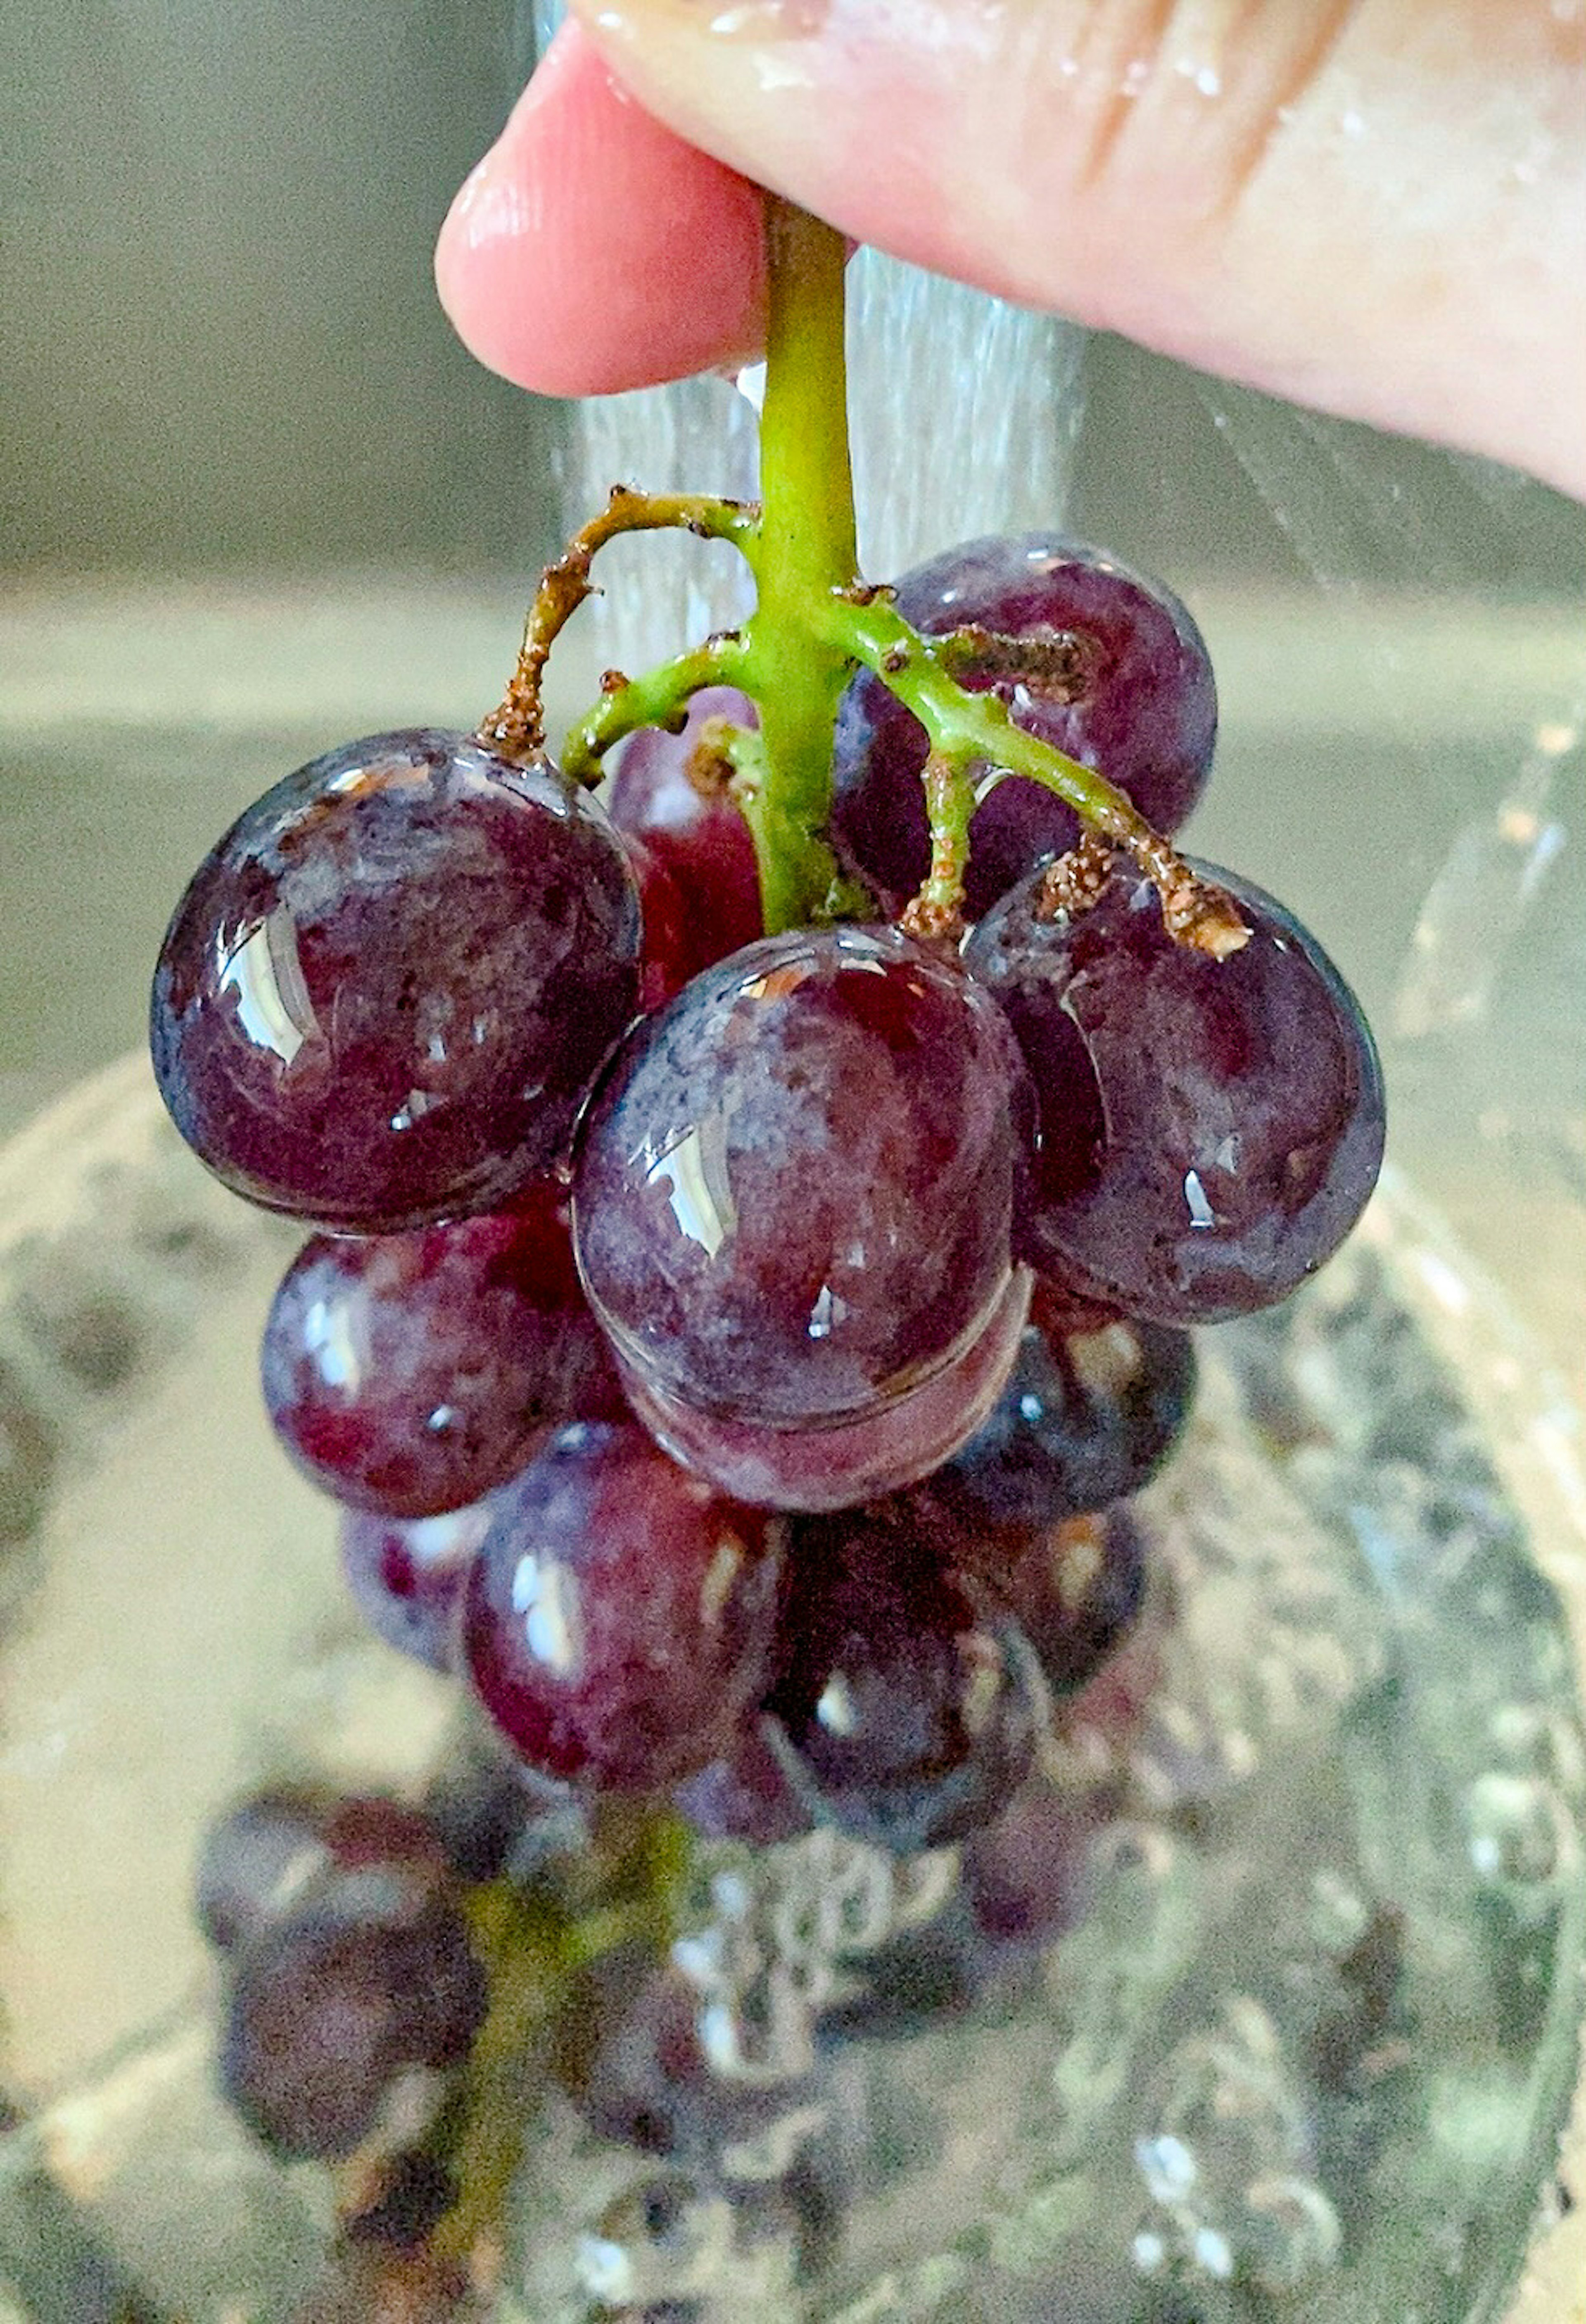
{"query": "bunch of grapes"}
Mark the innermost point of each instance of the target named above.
(734, 1348)
(684, 1366)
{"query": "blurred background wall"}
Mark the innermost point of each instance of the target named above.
(221, 344)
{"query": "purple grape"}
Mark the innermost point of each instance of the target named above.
(1085, 1419)
(619, 1618)
(414, 2192)
(700, 839)
(411, 1374)
(743, 1795)
(851, 1460)
(906, 1708)
(408, 1575)
(669, 958)
(1026, 1873)
(365, 2282)
(1209, 1130)
(365, 1832)
(368, 1975)
(383, 999)
(628, 2053)
(1134, 698)
(491, 1815)
(1075, 1588)
(1098, 1719)
(253, 1859)
(793, 1197)
(257, 1858)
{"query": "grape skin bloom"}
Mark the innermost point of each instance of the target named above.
(411, 1374)
(794, 1193)
(619, 1618)
(855, 1458)
(383, 999)
(1209, 1130)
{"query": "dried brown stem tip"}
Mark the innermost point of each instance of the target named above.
(516, 728)
(1196, 913)
(1055, 664)
(930, 921)
(938, 909)
(1075, 881)
(710, 761)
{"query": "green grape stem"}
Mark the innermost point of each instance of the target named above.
(938, 909)
(659, 698)
(813, 620)
(624, 1889)
(804, 561)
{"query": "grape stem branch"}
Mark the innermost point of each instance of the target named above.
(813, 620)
(516, 727)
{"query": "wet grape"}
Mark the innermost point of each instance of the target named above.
(415, 2193)
(1085, 1419)
(407, 1575)
(253, 1861)
(743, 1795)
(367, 1975)
(697, 836)
(620, 1615)
(1026, 1873)
(384, 994)
(793, 1197)
(1209, 1130)
(1075, 1588)
(411, 1374)
(849, 1460)
(905, 1707)
(628, 2051)
(668, 957)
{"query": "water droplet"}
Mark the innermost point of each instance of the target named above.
(1167, 2167)
(1150, 2251)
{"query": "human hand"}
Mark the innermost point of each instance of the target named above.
(1377, 208)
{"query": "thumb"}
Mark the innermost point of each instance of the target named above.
(1375, 206)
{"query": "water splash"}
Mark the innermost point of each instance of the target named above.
(1479, 900)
